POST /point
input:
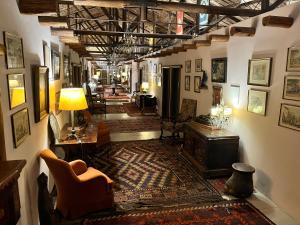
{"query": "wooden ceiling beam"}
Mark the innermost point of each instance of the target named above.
(242, 31)
(32, 7)
(189, 46)
(112, 45)
(278, 21)
(67, 40)
(53, 21)
(171, 6)
(116, 33)
(62, 32)
(118, 53)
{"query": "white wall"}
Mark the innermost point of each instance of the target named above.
(274, 151)
(33, 35)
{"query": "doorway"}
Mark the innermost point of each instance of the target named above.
(170, 92)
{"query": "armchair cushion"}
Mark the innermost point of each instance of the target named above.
(78, 166)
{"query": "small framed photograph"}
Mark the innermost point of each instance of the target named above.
(293, 59)
(187, 83)
(40, 80)
(55, 64)
(16, 88)
(47, 58)
(14, 51)
(197, 84)
(257, 101)
(20, 126)
(291, 90)
(198, 65)
(217, 95)
(259, 72)
(289, 116)
(188, 66)
(219, 70)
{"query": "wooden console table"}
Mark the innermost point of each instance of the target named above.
(212, 151)
(9, 191)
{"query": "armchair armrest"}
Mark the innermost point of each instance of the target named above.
(92, 174)
(78, 166)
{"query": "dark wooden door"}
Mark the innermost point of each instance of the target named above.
(175, 92)
(165, 93)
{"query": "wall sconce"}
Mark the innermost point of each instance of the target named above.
(145, 87)
(220, 116)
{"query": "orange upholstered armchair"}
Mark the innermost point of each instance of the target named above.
(80, 190)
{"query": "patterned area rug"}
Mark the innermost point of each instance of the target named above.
(115, 109)
(132, 110)
(151, 174)
(229, 213)
(134, 125)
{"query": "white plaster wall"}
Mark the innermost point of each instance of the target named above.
(33, 36)
(274, 151)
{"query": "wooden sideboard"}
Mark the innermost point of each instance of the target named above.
(9, 191)
(212, 151)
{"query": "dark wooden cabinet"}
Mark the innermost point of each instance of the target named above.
(212, 151)
(9, 191)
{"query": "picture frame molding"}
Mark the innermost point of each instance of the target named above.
(188, 70)
(284, 87)
(5, 34)
(17, 144)
(223, 59)
(288, 60)
(195, 78)
(269, 72)
(9, 98)
(185, 84)
(279, 121)
(196, 68)
(55, 53)
(266, 101)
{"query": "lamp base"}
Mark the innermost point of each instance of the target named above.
(72, 136)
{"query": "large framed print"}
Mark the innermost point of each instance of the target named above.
(40, 78)
(219, 70)
(55, 64)
(293, 59)
(20, 126)
(217, 95)
(198, 65)
(16, 89)
(197, 84)
(259, 72)
(257, 101)
(291, 90)
(187, 83)
(188, 66)
(289, 116)
(14, 51)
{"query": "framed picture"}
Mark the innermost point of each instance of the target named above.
(57, 110)
(55, 64)
(198, 65)
(291, 90)
(219, 70)
(155, 68)
(188, 65)
(289, 116)
(259, 72)
(66, 67)
(257, 101)
(47, 58)
(197, 84)
(14, 51)
(40, 78)
(20, 126)
(160, 68)
(204, 79)
(187, 83)
(217, 95)
(16, 88)
(293, 59)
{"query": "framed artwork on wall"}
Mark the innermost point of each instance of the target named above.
(257, 101)
(66, 67)
(47, 58)
(198, 65)
(55, 64)
(40, 78)
(160, 68)
(154, 68)
(187, 83)
(259, 72)
(57, 110)
(188, 65)
(14, 51)
(20, 126)
(197, 84)
(289, 116)
(219, 70)
(16, 89)
(293, 59)
(291, 90)
(217, 95)
(204, 79)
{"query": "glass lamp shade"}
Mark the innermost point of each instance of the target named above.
(72, 99)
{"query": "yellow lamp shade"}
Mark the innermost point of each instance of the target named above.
(72, 99)
(145, 86)
(17, 97)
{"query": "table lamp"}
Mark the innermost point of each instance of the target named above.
(72, 99)
(145, 87)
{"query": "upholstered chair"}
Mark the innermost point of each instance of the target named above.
(80, 189)
(187, 113)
